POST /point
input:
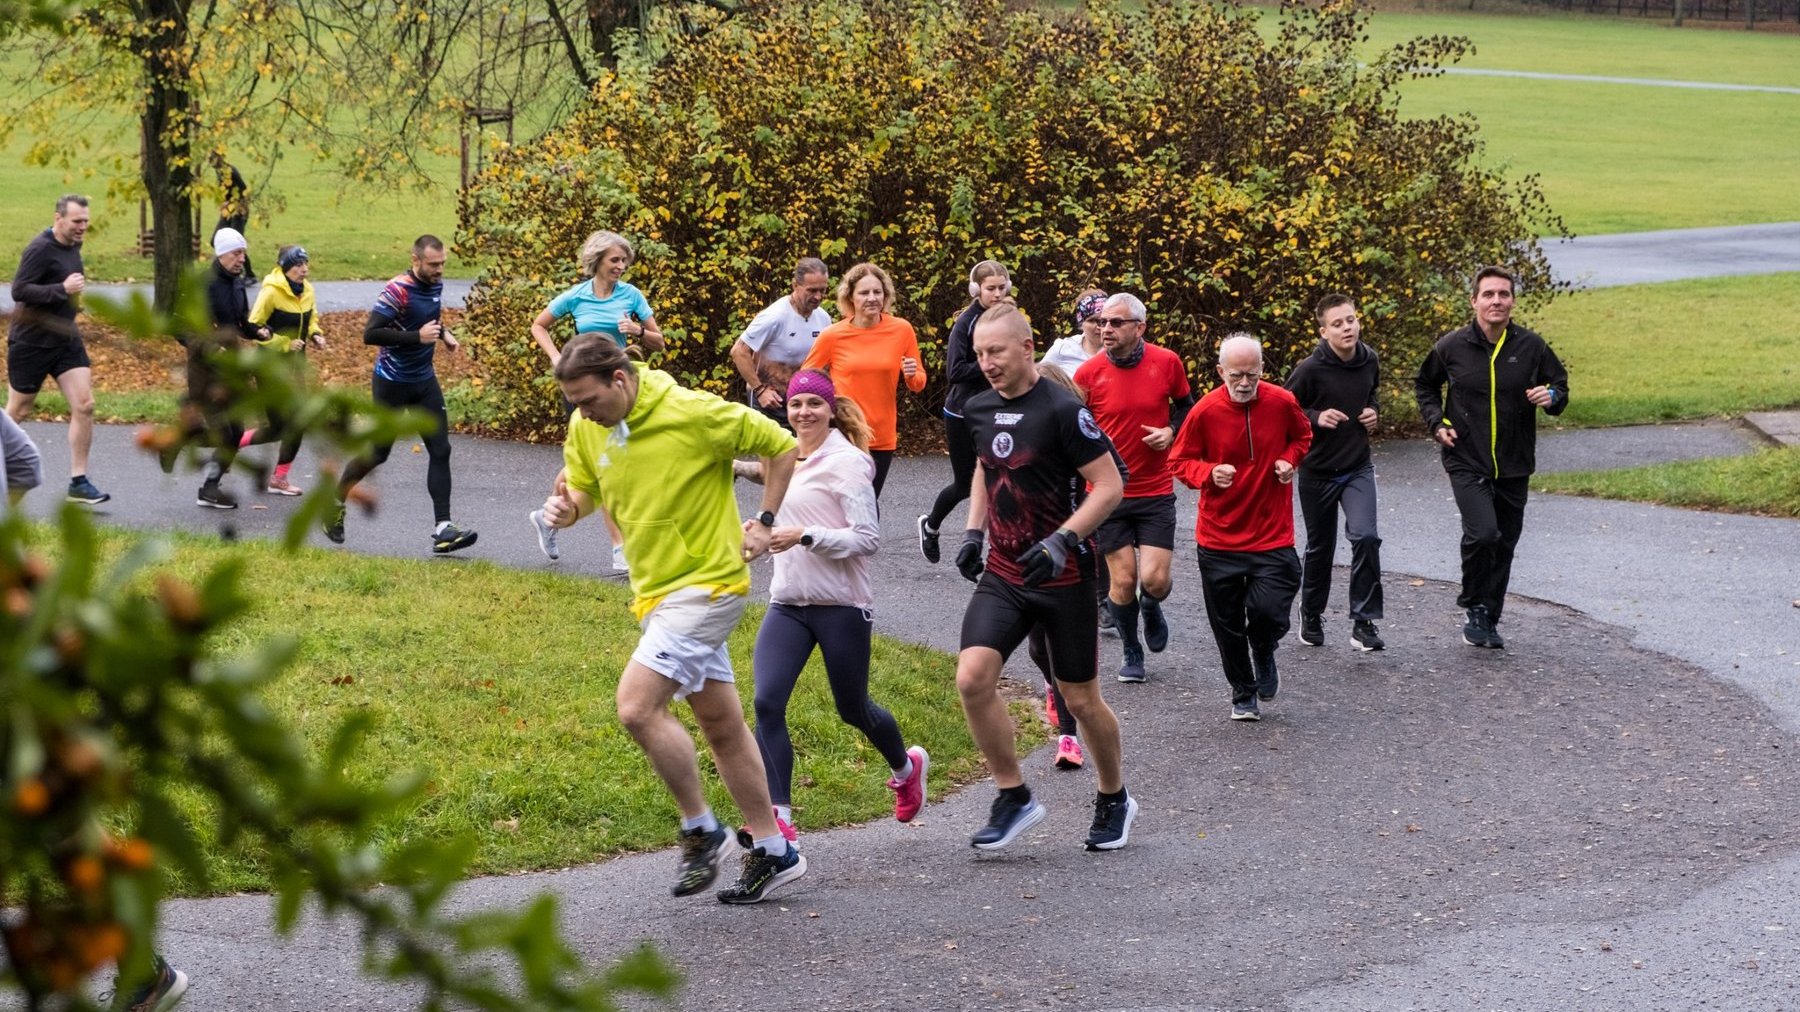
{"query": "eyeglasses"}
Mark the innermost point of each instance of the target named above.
(1115, 321)
(1240, 377)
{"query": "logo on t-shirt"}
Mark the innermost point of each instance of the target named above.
(1007, 417)
(1003, 445)
(1089, 427)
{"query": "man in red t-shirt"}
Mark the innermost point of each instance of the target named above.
(1139, 393)
(1240, 447)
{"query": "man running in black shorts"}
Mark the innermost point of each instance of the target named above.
(404, 324)
(1030, 439)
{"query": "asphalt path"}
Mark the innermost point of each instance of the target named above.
(1600, 817)
(1642, 82)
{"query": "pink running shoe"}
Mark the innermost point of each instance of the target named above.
(1068, 753)
(787, 828)
(279, 484)
(1050, 714)
(909, 794)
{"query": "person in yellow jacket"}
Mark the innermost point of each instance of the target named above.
(659, 458)
(287, 306)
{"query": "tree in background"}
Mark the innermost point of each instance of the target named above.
(114, 695)
(1229, 176)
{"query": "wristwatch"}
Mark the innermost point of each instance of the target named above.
(1069, 538)
(806, 540)
(766, 518)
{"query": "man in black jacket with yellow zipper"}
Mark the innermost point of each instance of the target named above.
(1499, 375)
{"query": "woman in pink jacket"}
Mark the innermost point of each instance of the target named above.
(820, 595)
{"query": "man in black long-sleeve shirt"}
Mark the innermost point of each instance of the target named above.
(1336, 387)
(44, 341)
(1499, 375)
(206, 410)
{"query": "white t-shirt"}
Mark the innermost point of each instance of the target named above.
(781, 335)
(1068, 353)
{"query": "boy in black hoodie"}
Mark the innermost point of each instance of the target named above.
(1336, 387)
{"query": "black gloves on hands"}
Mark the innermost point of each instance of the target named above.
(1045, 559)
(969, 558)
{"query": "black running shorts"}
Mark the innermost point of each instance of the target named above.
(27, 365)
(1144, 522)
(1002, 614)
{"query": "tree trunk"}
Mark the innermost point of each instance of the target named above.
(604, 17)
(168, 128)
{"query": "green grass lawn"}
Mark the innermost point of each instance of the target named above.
(500, 684)
(1684, 349)
(1765, 483)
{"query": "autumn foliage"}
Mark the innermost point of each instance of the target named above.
(1229, 175)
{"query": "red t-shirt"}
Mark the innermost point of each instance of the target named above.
(1126, 400)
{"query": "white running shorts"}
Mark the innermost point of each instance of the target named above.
(684, 637)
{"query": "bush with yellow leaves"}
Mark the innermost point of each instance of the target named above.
(1228, 177)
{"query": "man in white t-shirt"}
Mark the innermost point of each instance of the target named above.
(771, 349)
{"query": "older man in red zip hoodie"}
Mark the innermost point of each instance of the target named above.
(1240, 447)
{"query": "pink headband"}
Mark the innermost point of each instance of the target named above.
(812, 381)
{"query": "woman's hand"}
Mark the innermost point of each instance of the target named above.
(783, 538)
(909, 367)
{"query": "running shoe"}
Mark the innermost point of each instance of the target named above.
(334, 524)
(1268, 678)
(1156, 625)
(909, 794)
(452, 538)
(82, 490)
(1112, 822)
(1494, 640)
(1006, 820)
(928, 539)
(1068, 753)
(1109, 626)
(1364, 636)
(546, 535)
(213, 497)
(1051, 717)
(1478, 630)
(164, 992)
(702, 854)
(762, 874)
(1133, 668)
(787, 828)
(1312, 629)
(279, 485)
(1246, 710)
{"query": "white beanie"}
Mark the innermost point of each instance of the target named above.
(228, 240)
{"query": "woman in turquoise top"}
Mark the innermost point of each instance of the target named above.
(605, 304)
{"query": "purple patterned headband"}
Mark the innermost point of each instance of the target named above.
(812, 381)
(1088, 307)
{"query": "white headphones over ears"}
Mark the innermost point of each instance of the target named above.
(975, 286)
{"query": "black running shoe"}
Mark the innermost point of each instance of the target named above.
(214, 497)
(1246, 710)
(1364, 636)
(1006, 820)
(84, 492)
(1109, 626)
(451, 538)
(334, 524)
(1312, 629)
(1478, 628)
(762, 874)
(928, 539)
(1112, 822)
(701, 855)
(1495, 642)
(1133, 668)
(1156, 626)
(1268, 679)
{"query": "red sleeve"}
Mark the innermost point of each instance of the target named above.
(1300, 433)
(1178, 381)
(1185, 460)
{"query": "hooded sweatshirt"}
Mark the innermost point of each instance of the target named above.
(289, 317)
(664, 475)
(1321, 381)
(832, 496)
(1256, 513)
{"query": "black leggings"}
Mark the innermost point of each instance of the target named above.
(884, 459)
(962, 470)
(429, 397)
(280, 429)
(783, 645)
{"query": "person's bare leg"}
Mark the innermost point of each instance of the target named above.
(77, 386)
(1099, 731)
(1153, 571)
(1122, 571)
(720, 714)
(978, 683)
(643, 704)
(19, 405)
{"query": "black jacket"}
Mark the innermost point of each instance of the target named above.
(228, 300)
(960, 369)
(1321, 381)
(44, 314)
(1496, 427)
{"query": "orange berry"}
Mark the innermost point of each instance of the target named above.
(85, 874)
(31, 798)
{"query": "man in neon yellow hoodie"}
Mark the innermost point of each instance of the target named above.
(659, 458)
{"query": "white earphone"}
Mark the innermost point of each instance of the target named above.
(975, 286)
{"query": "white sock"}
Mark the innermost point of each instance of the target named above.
(705, 822)
(786, 813)
(905, 771)
(774, 846)
(439, 529)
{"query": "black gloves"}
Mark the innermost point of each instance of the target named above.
(969, 558)
(1046, 558)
